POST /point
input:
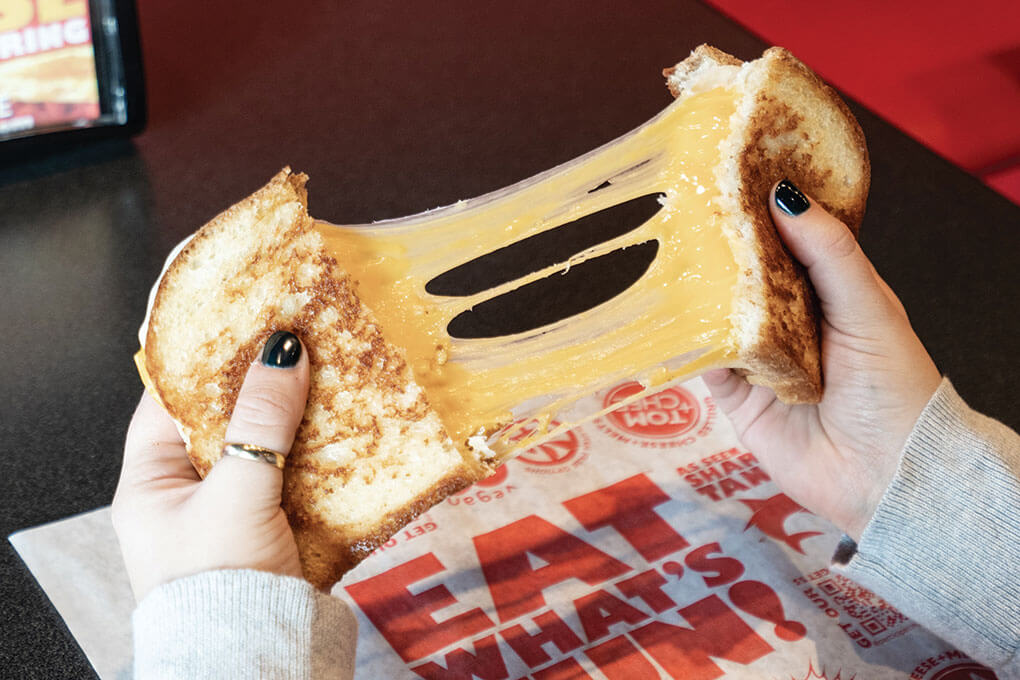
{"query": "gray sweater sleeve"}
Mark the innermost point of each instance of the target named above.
(214, 625)
(944, 543)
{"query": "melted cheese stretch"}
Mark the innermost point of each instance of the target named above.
(672, 323)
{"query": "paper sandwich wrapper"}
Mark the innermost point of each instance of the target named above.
(647, 543)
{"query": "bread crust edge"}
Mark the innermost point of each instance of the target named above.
(789, 124)
(336, 555)
(786, 355)
(285, 186)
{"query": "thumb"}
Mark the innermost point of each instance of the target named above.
(848, 287)
(269, 409)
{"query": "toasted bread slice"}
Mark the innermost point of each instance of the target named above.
(371, 452)
(788, 124)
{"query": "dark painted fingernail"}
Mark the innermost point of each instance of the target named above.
(282, 350)
(790, 199)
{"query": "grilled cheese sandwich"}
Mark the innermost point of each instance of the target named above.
(401, 414)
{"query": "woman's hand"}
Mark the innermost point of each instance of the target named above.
(836, 458)
(172, 524)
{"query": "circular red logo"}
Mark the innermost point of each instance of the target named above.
(662, 415)
(965, 671)
(555, 451)
(559, 453)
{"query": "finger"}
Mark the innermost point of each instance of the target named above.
(269, 409)
(728, 389)
(153, 449)
(742, 402)
(846, 283)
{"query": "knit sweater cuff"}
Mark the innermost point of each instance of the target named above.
(215, 624)
(944, 543)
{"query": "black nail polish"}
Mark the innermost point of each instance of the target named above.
(790, 199)
(282, 350)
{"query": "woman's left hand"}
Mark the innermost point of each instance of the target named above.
(171, 524)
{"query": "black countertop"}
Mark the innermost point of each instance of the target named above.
(391, 108)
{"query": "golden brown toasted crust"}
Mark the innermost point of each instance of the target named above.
(328, 554)
(201, 418)
(370, 454)
(676, 76)
(792, 95)
(789, 124)
(821, 149)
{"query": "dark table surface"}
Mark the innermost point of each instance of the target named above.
(391, 108)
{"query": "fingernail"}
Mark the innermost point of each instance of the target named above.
(790, 199)
(282, 350)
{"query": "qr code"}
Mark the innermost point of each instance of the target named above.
(875, 614)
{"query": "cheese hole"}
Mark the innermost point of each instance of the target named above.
(543, 250)
(559, 296)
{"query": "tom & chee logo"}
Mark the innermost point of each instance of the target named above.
(670, 418)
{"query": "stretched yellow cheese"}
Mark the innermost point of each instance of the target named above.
(672, 322)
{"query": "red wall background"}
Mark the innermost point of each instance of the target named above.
(947, 73)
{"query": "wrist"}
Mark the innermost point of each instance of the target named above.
(858, 520)
(883, 470)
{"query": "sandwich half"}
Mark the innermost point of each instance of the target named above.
(369, 455)
(400, 415)
(787, 124)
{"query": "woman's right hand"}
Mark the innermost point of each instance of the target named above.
(837, 457)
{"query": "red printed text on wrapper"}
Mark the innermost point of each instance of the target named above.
(626, 621)
(865, 617)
